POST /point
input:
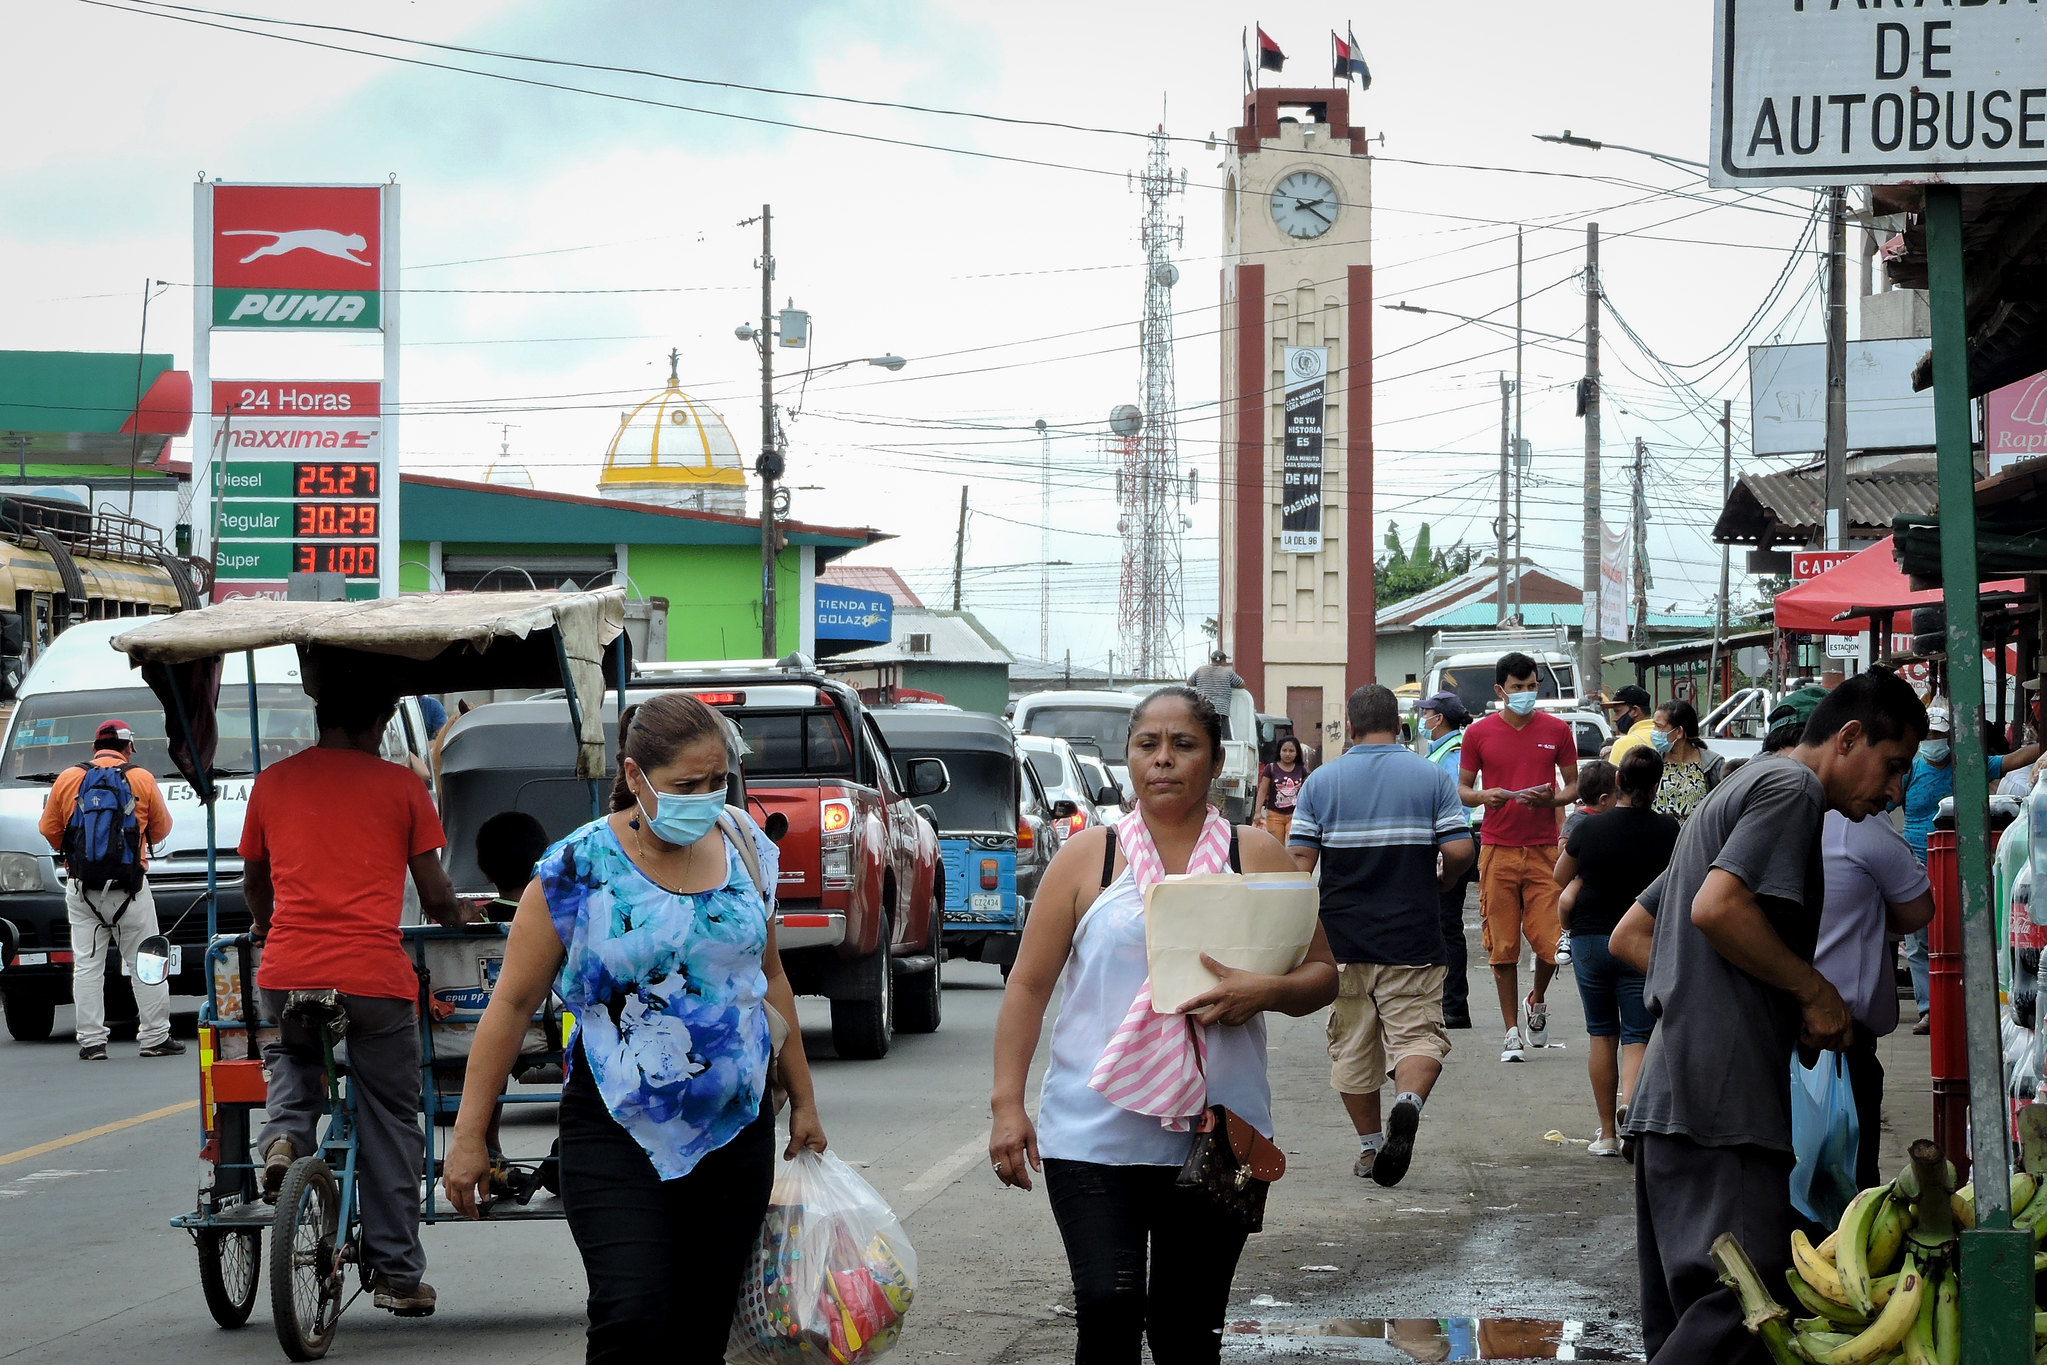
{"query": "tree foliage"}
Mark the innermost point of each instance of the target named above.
(1404, 572)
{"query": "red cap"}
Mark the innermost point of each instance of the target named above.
(113, 731)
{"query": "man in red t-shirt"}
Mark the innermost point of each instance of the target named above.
(1528, 760)
(329, 836)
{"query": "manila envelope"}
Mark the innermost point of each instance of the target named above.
(1259, 921)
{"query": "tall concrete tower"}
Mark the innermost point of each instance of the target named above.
(1296, 544)
(1149, 601)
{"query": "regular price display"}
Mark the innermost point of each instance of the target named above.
(334, 480)
(342, 519)
(350, 561)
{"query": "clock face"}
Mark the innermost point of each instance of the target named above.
(1304, 205)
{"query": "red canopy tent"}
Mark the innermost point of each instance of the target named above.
(1870, 578)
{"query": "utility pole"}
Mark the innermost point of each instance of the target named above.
(1045, 541)
(1500, 528)
(1726, 489)
(769, 465)
(1520, 445)
(1641, 555)
(1590, 682)
(1837, 369)
(959, 550)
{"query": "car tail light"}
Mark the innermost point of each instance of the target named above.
(835, 844)
(1026, 837)
(837, 818)
(722, 698)
(1075, 823)
(990, 874)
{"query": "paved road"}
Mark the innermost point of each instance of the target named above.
(1495, 1218)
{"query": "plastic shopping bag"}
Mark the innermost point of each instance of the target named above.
(831, 1276)
(1824, 1136)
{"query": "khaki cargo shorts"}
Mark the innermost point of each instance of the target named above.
(1383, 1014)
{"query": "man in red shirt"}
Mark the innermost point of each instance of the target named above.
(113, 913)
(1529, 763)
(329, 836)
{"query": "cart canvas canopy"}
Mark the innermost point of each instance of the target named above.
(413, 645)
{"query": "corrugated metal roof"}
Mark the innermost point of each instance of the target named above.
(1786, 507)
(871, 578)
(955, 637)
(1539, 614)
(1471, 589)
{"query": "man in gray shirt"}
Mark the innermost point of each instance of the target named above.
(1734, 992)
(1216, 680)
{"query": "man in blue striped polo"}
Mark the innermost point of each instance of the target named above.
(1390, 834)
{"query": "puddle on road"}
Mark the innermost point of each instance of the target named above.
(1431, 1339)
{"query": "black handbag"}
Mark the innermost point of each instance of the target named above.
(1234, 1165)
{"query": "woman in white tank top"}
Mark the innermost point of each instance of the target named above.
(1110, 1171)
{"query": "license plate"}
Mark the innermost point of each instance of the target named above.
(33, 960)
(985, 902)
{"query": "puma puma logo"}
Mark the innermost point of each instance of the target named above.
(326, 241)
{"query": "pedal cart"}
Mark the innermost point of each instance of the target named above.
(412, 645)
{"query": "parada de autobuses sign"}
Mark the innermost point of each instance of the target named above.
(300, 257)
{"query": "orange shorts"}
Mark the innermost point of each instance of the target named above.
(1277, 823)
(1517, 899)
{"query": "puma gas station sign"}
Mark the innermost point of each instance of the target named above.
(301, 257)
(1856, 92)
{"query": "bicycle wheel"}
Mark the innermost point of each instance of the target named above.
(230, 1264)
(305, 1268)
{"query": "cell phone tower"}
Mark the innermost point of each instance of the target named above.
(1150, 604)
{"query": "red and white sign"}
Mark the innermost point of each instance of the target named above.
(297, 237)
(2015, 422)
(1808, 564)
(294, 398)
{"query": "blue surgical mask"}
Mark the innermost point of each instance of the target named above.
(1933, 750)
(682, 820)
(1521, 703)
(1661, 739)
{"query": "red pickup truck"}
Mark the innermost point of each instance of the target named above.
(861, 898)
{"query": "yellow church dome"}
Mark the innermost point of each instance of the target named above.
(672, 448)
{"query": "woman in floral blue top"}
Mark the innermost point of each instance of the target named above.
(649, 925)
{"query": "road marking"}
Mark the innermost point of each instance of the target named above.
(23, 1185)
(72, 1140)
(948, 1166)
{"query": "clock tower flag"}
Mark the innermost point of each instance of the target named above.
(1270, 58)
(1349, 64)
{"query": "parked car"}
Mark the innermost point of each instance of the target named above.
(1097, 723)
(994, 825)
(1065, 786)
(861, 898)
(1110, 798)
(1271, 730)
(1590, 729)
(76, 682)
(1235, 789)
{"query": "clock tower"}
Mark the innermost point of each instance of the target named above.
(1296, 488)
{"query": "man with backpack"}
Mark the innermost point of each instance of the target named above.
(101, 818)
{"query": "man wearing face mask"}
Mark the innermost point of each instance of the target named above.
(329, 836)
(1632, 723)
(1528, 760)
(1933, 779)
(1441, 720)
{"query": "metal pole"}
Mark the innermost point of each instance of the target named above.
(1500, 525)
(769, 466)
(1994, 1265)
(1590, 683)
(135, 443)
(1641, 549)
(1836, 522)
(959, 554)
(1726, 490)
(255, 725)
(1045, 540)
(1520, 468)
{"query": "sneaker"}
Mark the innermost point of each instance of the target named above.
(1362, 1167)
(1604, 1146)
(1399, 1148)
(1536, 1014)
(1510, 1051)
(93, 1052)
(414, 1302)
(1457, 1021)
(1924, 1026)
(1563, 952)
(169, 1047)
(277, 1159)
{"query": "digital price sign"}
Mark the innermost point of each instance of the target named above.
(303, 496)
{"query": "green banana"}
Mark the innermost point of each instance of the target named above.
(1882, 1336)
(1887, 1237)
(1919, 1347)
(1947, 1319)
(1851, 1251)
(1820, 1304)
(1820, 1273)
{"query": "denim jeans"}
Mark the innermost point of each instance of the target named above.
(1915, 960)
(1106, 1217)
(1611, 991)
(664, 1258)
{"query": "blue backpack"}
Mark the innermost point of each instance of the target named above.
(103, 841)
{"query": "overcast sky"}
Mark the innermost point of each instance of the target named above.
(1013, 289)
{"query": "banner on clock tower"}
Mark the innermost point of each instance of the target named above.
(1300, 509)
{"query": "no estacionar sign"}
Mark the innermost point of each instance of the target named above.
(1853, 92)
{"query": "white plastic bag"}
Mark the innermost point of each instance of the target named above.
(831, 1276)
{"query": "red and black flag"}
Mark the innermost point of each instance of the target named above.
(1270, 58)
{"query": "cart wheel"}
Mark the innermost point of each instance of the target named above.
(305, 1268)
(230, 1265)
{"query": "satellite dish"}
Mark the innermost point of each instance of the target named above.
(1125, 419)
(1166, 273)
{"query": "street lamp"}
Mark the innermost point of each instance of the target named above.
(1571, 139)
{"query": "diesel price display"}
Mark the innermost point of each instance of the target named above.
(334, 480)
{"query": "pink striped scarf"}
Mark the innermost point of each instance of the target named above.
(1155, 1063)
